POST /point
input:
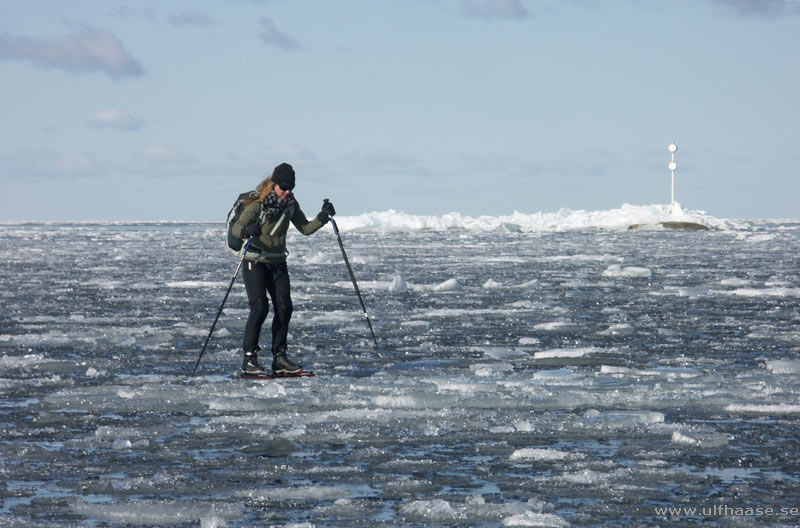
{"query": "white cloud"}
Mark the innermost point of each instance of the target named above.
(114, 119)
(272, 36)
(86, 51)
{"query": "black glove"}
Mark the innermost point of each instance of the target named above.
(251, 230)
(327, 208)
(327, 211)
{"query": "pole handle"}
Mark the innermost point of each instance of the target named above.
(333, 222)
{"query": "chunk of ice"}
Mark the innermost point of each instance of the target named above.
(398, 285)
(628, 272)
(546, 455)
(699, 439)
(530, 518)
(565, 353)
(783, 366)
(448, 285)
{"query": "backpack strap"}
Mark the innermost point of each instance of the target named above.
(289, 211)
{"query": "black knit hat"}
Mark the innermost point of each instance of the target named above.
(283, 175)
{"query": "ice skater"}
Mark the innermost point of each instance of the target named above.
(266, 218)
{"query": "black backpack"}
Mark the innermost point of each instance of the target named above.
(232, 242)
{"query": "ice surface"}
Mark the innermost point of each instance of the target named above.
(161, 513)
(532, 370)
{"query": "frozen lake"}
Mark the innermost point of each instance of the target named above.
(527, 375)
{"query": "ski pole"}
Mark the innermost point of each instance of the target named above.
(353, 278)
(219, 312)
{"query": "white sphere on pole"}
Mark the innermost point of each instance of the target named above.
(673, 207)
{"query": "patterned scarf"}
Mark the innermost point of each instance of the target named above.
(273, 206)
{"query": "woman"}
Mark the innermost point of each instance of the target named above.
(266, 219)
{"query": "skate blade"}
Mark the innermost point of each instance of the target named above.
(301, 374)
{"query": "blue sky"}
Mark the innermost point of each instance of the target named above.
(153, 110)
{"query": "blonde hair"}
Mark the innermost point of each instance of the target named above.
(262, 191)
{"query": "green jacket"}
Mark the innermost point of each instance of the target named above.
(270, 246)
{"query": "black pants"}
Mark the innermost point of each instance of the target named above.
(261, 279)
